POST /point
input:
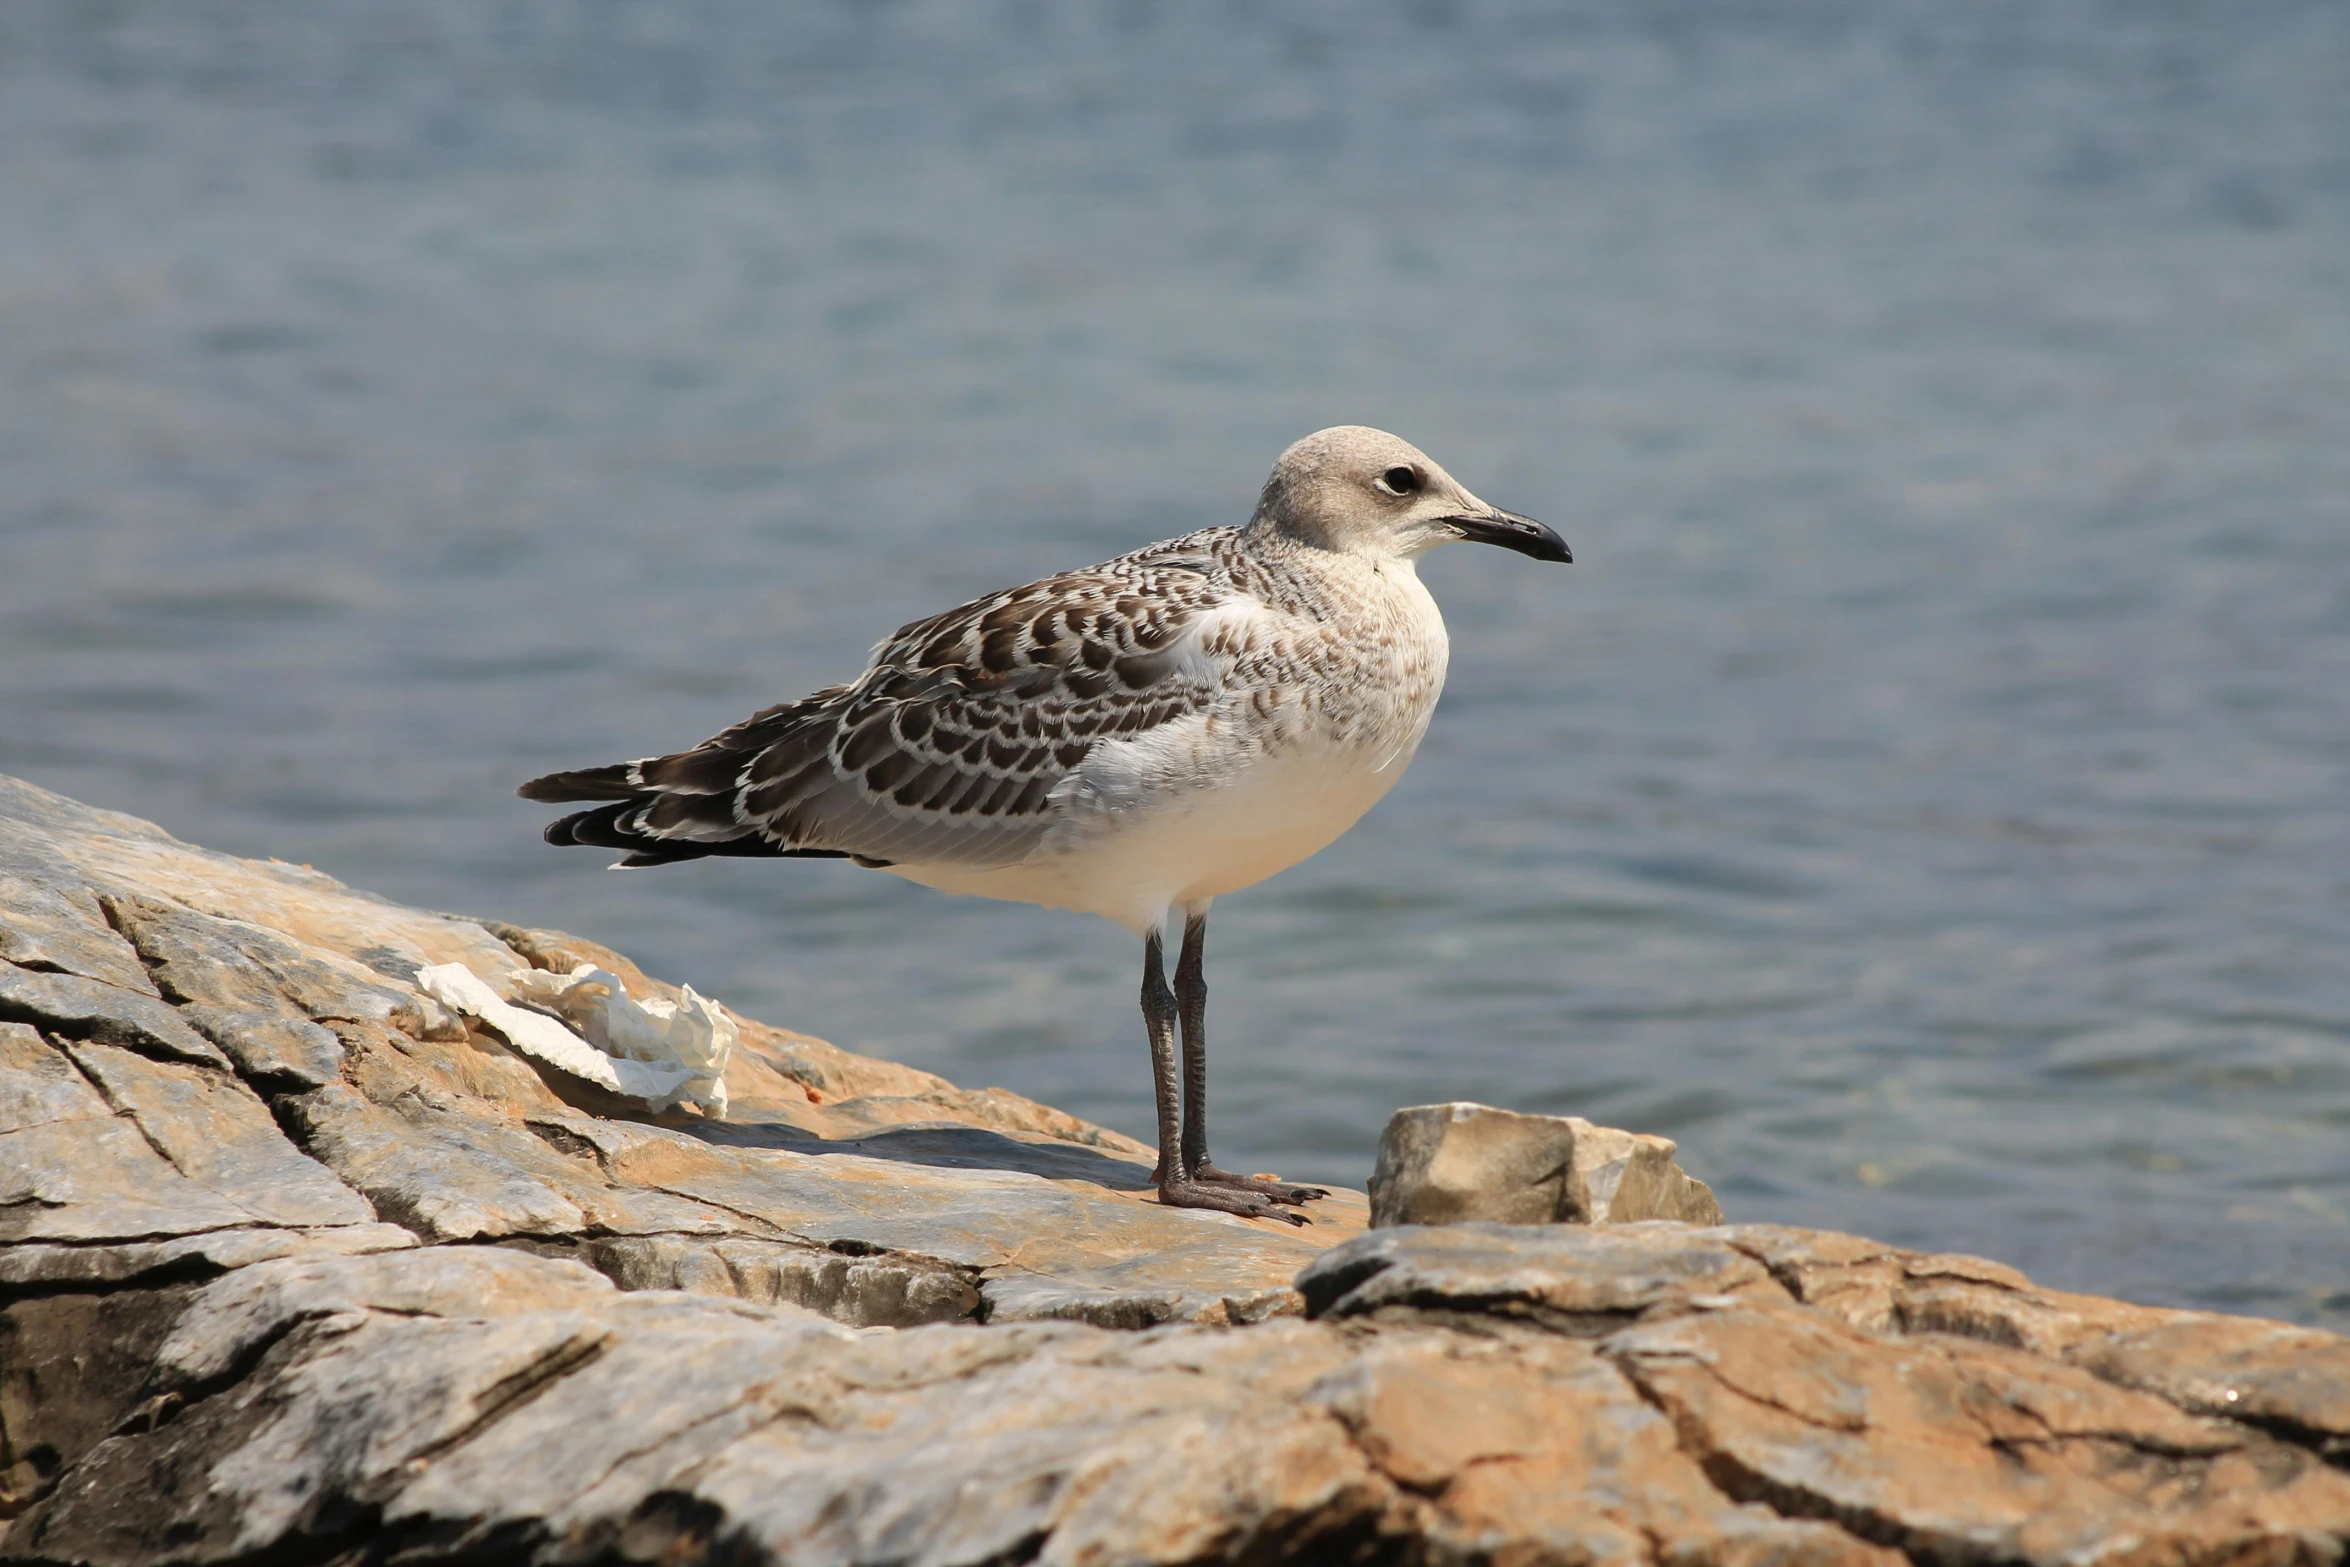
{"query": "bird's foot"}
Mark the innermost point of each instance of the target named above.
(1243, 1199)
(1267, 1186)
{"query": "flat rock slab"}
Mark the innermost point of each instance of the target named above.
(1110, 1244)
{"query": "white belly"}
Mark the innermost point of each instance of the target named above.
(1200, 845)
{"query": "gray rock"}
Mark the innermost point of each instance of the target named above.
(230, 1321)
(1028, 1297)
(890, 1290)
(269, 1045)
(52, 1267)
(81, 1008)
(229, 963)
(1460, 1163)
(1572, 1278)
(89, 1158)
(218, 1134)
(455, 1167)
(74, 1368)
(59, 926)
(445, 1176)
(39, 1085)
(84, 1180)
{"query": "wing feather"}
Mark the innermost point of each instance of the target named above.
(954, 744)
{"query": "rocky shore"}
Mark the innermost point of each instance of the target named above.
(300, 1263)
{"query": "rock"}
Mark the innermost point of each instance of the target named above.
(1027, 1298)
(1956, 1450)
(188, 1256)
(230, 963)
(52, 841)
(217, 1133)
(886, 1290)
(443, 1175)
(868, 1316)
(2291, 1380)
(270, 1047)
(79, 1008)
(73, 1368)
(230, 1322)
(1573, 1280)
(108, 1146)
(1458, 1163)
(58, 926)
(38, 1085)
(99, 1181)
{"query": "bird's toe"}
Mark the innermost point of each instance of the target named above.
(1270, 1187)
(1226, 1199)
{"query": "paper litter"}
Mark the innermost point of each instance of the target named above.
(662, 1051)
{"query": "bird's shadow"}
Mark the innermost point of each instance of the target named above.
(944, 1147)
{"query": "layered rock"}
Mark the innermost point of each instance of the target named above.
(1464, 1163)
(296, 1266)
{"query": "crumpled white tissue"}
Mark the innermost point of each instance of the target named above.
(663, 1051)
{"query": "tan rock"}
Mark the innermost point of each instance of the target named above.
(1462, 1163)
(217, 1133)
(1958, 1450)
(1571, 1278)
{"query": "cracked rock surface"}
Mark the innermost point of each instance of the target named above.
(297, 1268)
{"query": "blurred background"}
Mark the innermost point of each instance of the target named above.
(1928, 797)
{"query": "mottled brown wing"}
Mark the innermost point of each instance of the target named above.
(950, 747)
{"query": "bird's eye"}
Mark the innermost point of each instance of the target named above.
(1401, 481)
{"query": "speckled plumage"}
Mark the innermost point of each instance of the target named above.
(1129, 739)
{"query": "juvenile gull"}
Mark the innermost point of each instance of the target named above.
(1130, 740)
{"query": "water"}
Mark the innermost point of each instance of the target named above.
(1928, 797)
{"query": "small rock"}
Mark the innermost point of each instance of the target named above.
(1460, 1163)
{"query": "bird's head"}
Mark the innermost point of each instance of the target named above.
(1365, 492)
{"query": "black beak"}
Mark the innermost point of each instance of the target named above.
(1513, 532)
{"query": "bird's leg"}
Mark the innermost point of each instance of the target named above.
(1191, 996)
(1177, 1187)
(1158, 1017)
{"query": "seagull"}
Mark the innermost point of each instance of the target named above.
(1132, 740)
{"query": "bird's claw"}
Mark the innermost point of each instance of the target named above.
(1249, 1204)
(1270, 1187)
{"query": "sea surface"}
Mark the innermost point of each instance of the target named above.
(1927, 797)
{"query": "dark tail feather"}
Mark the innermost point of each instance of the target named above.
(607, 827)
(586, 783)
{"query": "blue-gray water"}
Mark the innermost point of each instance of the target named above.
(1928, 798)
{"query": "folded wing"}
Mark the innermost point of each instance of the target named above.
(948, 749)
